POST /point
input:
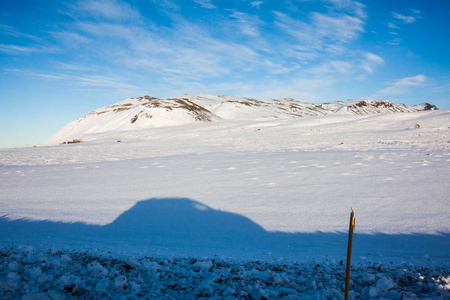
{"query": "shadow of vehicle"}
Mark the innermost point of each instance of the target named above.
(181, 226)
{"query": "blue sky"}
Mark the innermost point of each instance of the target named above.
(62, 59)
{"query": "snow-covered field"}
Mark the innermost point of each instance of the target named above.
(238, 209)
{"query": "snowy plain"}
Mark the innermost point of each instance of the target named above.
(213, 197)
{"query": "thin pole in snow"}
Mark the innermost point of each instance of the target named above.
(349, 252)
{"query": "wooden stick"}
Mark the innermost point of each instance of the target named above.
(349, 252)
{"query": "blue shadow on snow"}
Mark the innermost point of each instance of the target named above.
(180, 223)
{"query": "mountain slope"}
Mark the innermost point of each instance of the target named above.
(149, 112)
(363, 107)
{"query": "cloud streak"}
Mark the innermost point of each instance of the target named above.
(323, 33)
(404, 18)
(256, 4)
(106, 9)
(248, 24)
(371, 61)
(14, 49)
(19, 50)
(205, 4)
(403, 86)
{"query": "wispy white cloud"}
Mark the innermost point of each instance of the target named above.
(9, 30)
(102, 81)
(248, 24)
(370, 62)
(205, 4)
(14, 49)
(167, 4)
(349, 6)
(17, 50)
(402, 86)
(343, 28)
(280, 67)
(79, 79)
(443, 87)
(47, 76)
(33, 73)
(394, 42)
(256, 4)
(70, 38)
(185, 50)
(374, 58)
(303, 89)
(108, 9)
(323, 32)
(332, 67)
(360, 61)
(404, 18)
(74, 66)
(393, 26)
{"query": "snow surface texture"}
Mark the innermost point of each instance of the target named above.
(73, 275)
(276, 190)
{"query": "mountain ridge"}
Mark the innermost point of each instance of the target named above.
(150, 112)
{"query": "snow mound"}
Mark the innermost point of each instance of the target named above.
(148, 112)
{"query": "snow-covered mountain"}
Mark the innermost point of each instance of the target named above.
(362, 107)
(149, 112)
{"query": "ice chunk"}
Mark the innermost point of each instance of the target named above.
(102, 286)
(13, 276)
(34, 272)
(120, 283)
(204, 264)
(97, 269)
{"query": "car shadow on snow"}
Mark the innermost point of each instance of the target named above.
(187, 227)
